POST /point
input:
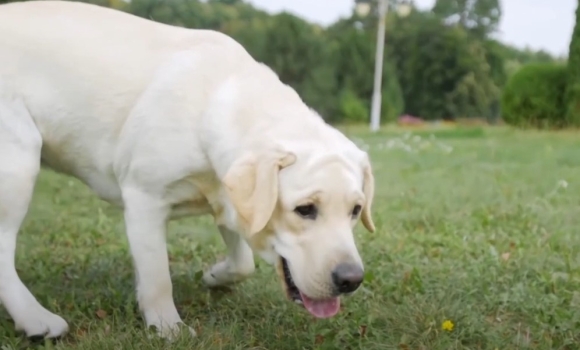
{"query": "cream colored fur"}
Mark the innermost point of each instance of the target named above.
(167, 122)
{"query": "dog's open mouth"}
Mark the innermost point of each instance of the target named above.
(320, 308)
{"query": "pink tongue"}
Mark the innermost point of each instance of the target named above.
(323, 308)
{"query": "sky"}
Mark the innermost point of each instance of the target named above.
(537, 24)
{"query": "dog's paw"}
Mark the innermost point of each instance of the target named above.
(173, 331)
(217, 275)
(42, 323)
(166, 322)
(223, 274)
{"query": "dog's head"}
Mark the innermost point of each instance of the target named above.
(298, 210)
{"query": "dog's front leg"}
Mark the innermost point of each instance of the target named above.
(146, 220)
(237, 266)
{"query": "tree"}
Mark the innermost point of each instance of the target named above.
(392, 101)
(226, 2)
(475, 93)
(443, 73)
(303, 58)
(355, 59)
(573, 83)
(479, 16)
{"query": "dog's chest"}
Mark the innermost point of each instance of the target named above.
(194, 195)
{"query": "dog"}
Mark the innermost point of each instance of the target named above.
(166, 122)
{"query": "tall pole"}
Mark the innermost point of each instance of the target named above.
(376, 104)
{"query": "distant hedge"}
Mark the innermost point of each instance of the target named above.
(534, 97)
(572, 97)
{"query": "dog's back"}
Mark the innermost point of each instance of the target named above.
(87, 67)
(92, 55)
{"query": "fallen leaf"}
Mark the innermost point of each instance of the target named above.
(81, 332)
(101, 314)
(403, 342)
(362, 330)
(505, 256)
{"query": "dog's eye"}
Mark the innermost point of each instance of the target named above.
(356, 210)
(307, 211)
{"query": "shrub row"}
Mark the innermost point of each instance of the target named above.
(534, 97)
(547, 94)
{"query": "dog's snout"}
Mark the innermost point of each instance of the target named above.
(347, 277)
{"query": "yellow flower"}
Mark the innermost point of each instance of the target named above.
(447, 325)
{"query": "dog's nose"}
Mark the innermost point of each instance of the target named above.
(347, 277)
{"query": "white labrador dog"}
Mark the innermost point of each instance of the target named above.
(168, 122)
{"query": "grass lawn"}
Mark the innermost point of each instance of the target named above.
(480, 227)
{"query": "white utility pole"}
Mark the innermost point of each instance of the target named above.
(376, 104)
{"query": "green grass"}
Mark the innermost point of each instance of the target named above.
(474, 226)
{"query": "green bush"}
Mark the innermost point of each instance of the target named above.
(572, 97)
(534, 96)
(352, 108)
(392, 101)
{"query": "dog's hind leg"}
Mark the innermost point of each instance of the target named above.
(20, 144)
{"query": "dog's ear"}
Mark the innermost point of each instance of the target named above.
(369, 191)
(252, 185)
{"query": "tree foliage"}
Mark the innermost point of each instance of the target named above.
(457, 81)
(534, 96)
(479, 16)
(439, 64)
(573, 75)
(353, 56)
